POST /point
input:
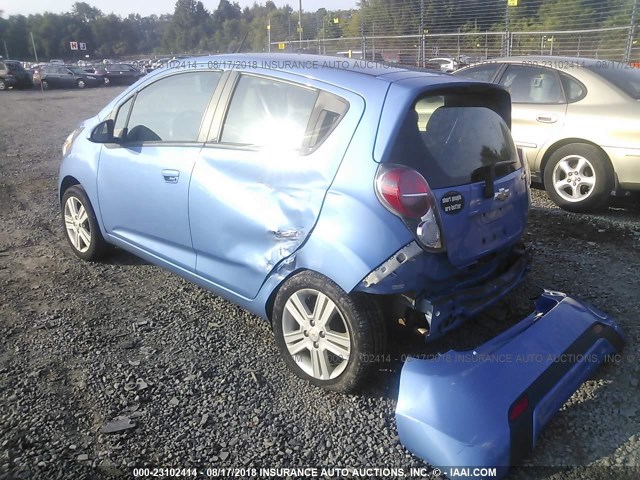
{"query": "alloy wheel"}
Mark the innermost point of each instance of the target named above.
(316, 334)
(574, 178)
(76, 221)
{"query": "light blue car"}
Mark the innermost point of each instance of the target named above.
(315, 192)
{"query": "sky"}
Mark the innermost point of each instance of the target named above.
(146, 7)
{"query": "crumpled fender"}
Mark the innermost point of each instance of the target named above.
(487, 407)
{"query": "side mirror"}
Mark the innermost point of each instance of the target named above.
(103, 133)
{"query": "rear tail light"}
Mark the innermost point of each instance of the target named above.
(406, 193)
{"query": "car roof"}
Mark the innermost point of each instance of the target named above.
(551, 61)
(347, 72)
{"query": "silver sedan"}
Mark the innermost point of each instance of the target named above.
(578, 121)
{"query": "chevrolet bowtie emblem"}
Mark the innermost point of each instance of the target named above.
(502, 194)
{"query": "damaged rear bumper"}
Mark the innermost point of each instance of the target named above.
(447, 312)
(487, 407)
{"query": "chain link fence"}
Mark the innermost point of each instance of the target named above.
(616, 40)
(603, 43)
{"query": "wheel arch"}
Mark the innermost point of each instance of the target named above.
(271, 299)
(568, 141)
(67, 182)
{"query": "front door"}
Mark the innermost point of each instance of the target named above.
(143, 182)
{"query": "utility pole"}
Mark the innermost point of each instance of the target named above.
(6, 51)
(422, 39)
(373, 41)
(506, 22)
(632, 28)
(269, 35)
(300, 20)
(35, 52)
(363, 43)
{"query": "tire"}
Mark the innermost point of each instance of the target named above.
(80, 225)
(3, 84)
(579, 178)
(81, 83)
(349, 340)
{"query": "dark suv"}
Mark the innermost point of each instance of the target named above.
(13, 74)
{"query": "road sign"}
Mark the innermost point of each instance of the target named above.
(282, 46)
(83, 46)
(74, 45)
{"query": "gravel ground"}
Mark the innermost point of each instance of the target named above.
(201, 380)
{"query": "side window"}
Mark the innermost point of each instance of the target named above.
(272, 113)
(121, 118)
(573, 89)
(532, 84)
(171, 109)
(328, 112)
(268, 113)
(483, 73)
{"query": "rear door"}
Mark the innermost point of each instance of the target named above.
(463, 148)
(539, 105)
(259, 184)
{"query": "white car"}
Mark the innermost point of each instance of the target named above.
(447, 65)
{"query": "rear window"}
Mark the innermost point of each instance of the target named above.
(622, 76)
(453, 144)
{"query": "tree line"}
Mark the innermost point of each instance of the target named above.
(192, 28)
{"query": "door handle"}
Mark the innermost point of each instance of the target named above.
(171, 176)
(547, 118)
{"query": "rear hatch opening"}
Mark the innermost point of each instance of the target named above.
(459, 141)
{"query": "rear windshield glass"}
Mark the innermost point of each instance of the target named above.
(452, 144)
(622, 76)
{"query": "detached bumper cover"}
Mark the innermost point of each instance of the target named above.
(487, 407)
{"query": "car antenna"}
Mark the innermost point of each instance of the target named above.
(242, 42)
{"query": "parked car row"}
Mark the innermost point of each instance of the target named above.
(58, 75)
